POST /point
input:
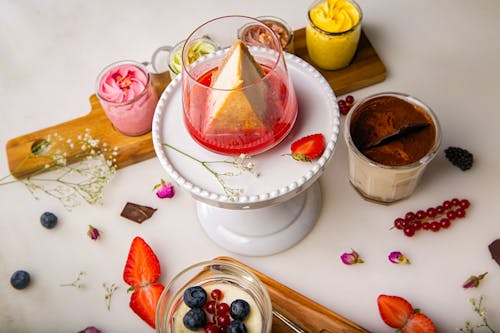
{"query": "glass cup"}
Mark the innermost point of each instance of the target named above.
(234, 281)
(391, 138)
(127, 97)
(331, 36)
(246, 107)
(254, 35)
(170, 57)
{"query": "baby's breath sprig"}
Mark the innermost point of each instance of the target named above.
(77, 283)
(241, 163)
(480, 310)
(108, 293)
(69, 183)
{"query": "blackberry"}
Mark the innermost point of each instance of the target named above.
(459, 157)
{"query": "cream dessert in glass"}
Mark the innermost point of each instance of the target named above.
(391, 138)
(211, 295)
(239, 99)
(127, 97)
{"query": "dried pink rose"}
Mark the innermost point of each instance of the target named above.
(164, 190)
(351, 258)
(93, 233)
(397, 257)
(473, 281)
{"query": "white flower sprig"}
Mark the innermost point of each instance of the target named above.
(480, 310)
(77, 283)
(68, 183)
(241, 163)
(108, 293)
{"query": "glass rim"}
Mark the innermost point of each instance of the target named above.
(407, 98)
(334, 34)
(275, 63)
(115, 64)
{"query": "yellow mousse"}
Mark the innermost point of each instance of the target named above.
(333, 33)
(238, 100)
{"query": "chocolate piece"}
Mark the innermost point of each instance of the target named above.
(494, 248)
(137, 213)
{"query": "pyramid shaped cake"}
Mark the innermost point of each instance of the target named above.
(238, 102)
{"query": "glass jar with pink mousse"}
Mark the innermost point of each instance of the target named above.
(127, 97)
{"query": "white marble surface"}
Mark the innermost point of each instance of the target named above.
(444, 52)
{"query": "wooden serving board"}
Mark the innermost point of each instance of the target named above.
(366, 69)
(307, 314)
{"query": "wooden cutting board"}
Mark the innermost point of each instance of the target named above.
(307, 314)
(366, 69)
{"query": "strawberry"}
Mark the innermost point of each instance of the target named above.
(141, 271)
(308, 148)
(399, 313)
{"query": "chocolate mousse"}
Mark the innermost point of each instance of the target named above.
(392, 131)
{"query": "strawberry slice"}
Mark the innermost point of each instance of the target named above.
(308, 148)
(398, 313)
(394, 310)
(141, 271)
(419, 323)
(144, 300)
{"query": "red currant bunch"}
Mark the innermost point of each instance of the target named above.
(345, 104)
(218, 311)
(434, 218)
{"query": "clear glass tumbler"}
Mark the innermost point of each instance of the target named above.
(127, 97)
(235, 110)
(391, 139)
(234, 281)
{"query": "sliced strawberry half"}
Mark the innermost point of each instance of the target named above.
(144, 301)
(419, 323)
(394, 310)
(308, 148)
(141, 271)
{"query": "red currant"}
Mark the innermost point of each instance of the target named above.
(460, 212)
(445, 223)
(223, 320)
(398, 223)
(431, 212)
(435, 226)
(349, 99)
(342, 103)
(426, 225)
(447, 204)
(440, 209)
(417, 225)
(464, 203)
(211, 328)
(455, 202)
(344, 109)
(211, 307)
(222, 309)
(410, 216)
(451, 215)
(421, 214)
(216, 294)
(409, 232)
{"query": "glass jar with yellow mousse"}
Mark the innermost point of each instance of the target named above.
(332, 33)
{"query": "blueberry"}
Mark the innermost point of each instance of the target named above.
(20, 279)
(48, 220)
(195, 297)
(239, 309)
(194, 319)
(236, 326)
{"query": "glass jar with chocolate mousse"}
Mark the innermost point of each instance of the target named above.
(391, 138)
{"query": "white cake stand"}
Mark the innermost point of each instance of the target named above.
(275, 209)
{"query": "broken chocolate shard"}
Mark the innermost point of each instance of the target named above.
(137, 213)
(494, 248)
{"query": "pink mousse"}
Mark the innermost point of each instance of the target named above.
(128, 98)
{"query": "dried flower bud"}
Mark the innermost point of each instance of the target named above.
(351, 258)
(164, 190)
(93, 233)
(397, 257)
(473, 281)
